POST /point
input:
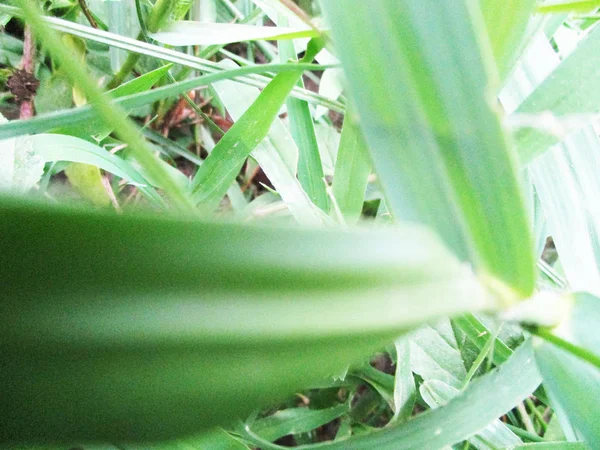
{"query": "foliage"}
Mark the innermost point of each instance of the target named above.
(319, 224)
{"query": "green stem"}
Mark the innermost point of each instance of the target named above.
(158, 16)
(576, 350)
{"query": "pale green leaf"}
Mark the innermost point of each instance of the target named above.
(433, 135)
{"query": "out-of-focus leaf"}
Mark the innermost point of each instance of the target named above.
(55, 93)
(572, 383)
(506, 22)
(87, 180)
(197, 33)
(560, 6)
(352, 169)
(432, 132)
(496, 435)
(125, 317)
(571, 88)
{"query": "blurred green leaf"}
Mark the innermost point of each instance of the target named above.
(161, 335)
(572, 382)
(481, 403)
(87, 180)
(506, 22)
(352, 169)
(433, 134)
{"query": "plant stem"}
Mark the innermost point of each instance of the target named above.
(28, 64)
(576, 350)
(88, 14)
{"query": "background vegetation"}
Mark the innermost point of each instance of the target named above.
(316, 224)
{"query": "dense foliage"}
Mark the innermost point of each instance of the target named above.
(261, 224)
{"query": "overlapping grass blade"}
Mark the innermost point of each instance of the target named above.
(433, 135)
(112, 116)
(277, 154)
(352, 169)
(482, 402)
(571, 88)
(310, 168)
(46, 122)
(225, 161)
(163, 327)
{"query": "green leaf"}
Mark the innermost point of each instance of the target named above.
(295, 420)
(161, 336)
(310, 168)
(277, 154)
(434, 355)
(87, 180)
(433, 135)
(506, 22)
(570, 89)
(479, 334)
(405, 390)
(225, 161)
(196, 33)
(141, 83)
(436, 393)
(56, 147)
(352, 169)
(582, 6)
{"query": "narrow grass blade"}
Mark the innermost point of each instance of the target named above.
(225, 161)
(436, 393)
(433, 135)
(581, 6)
(296, 420)
(196, 33)
(479, 334)
(405, 390)
(506, 22)
(99, 304)
(352, 169)
(277, 154)
(572, 374)
(310, 168)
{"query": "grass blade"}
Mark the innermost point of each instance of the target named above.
(352, 169)
(506, 23)
(434, 148)
(310, 168)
